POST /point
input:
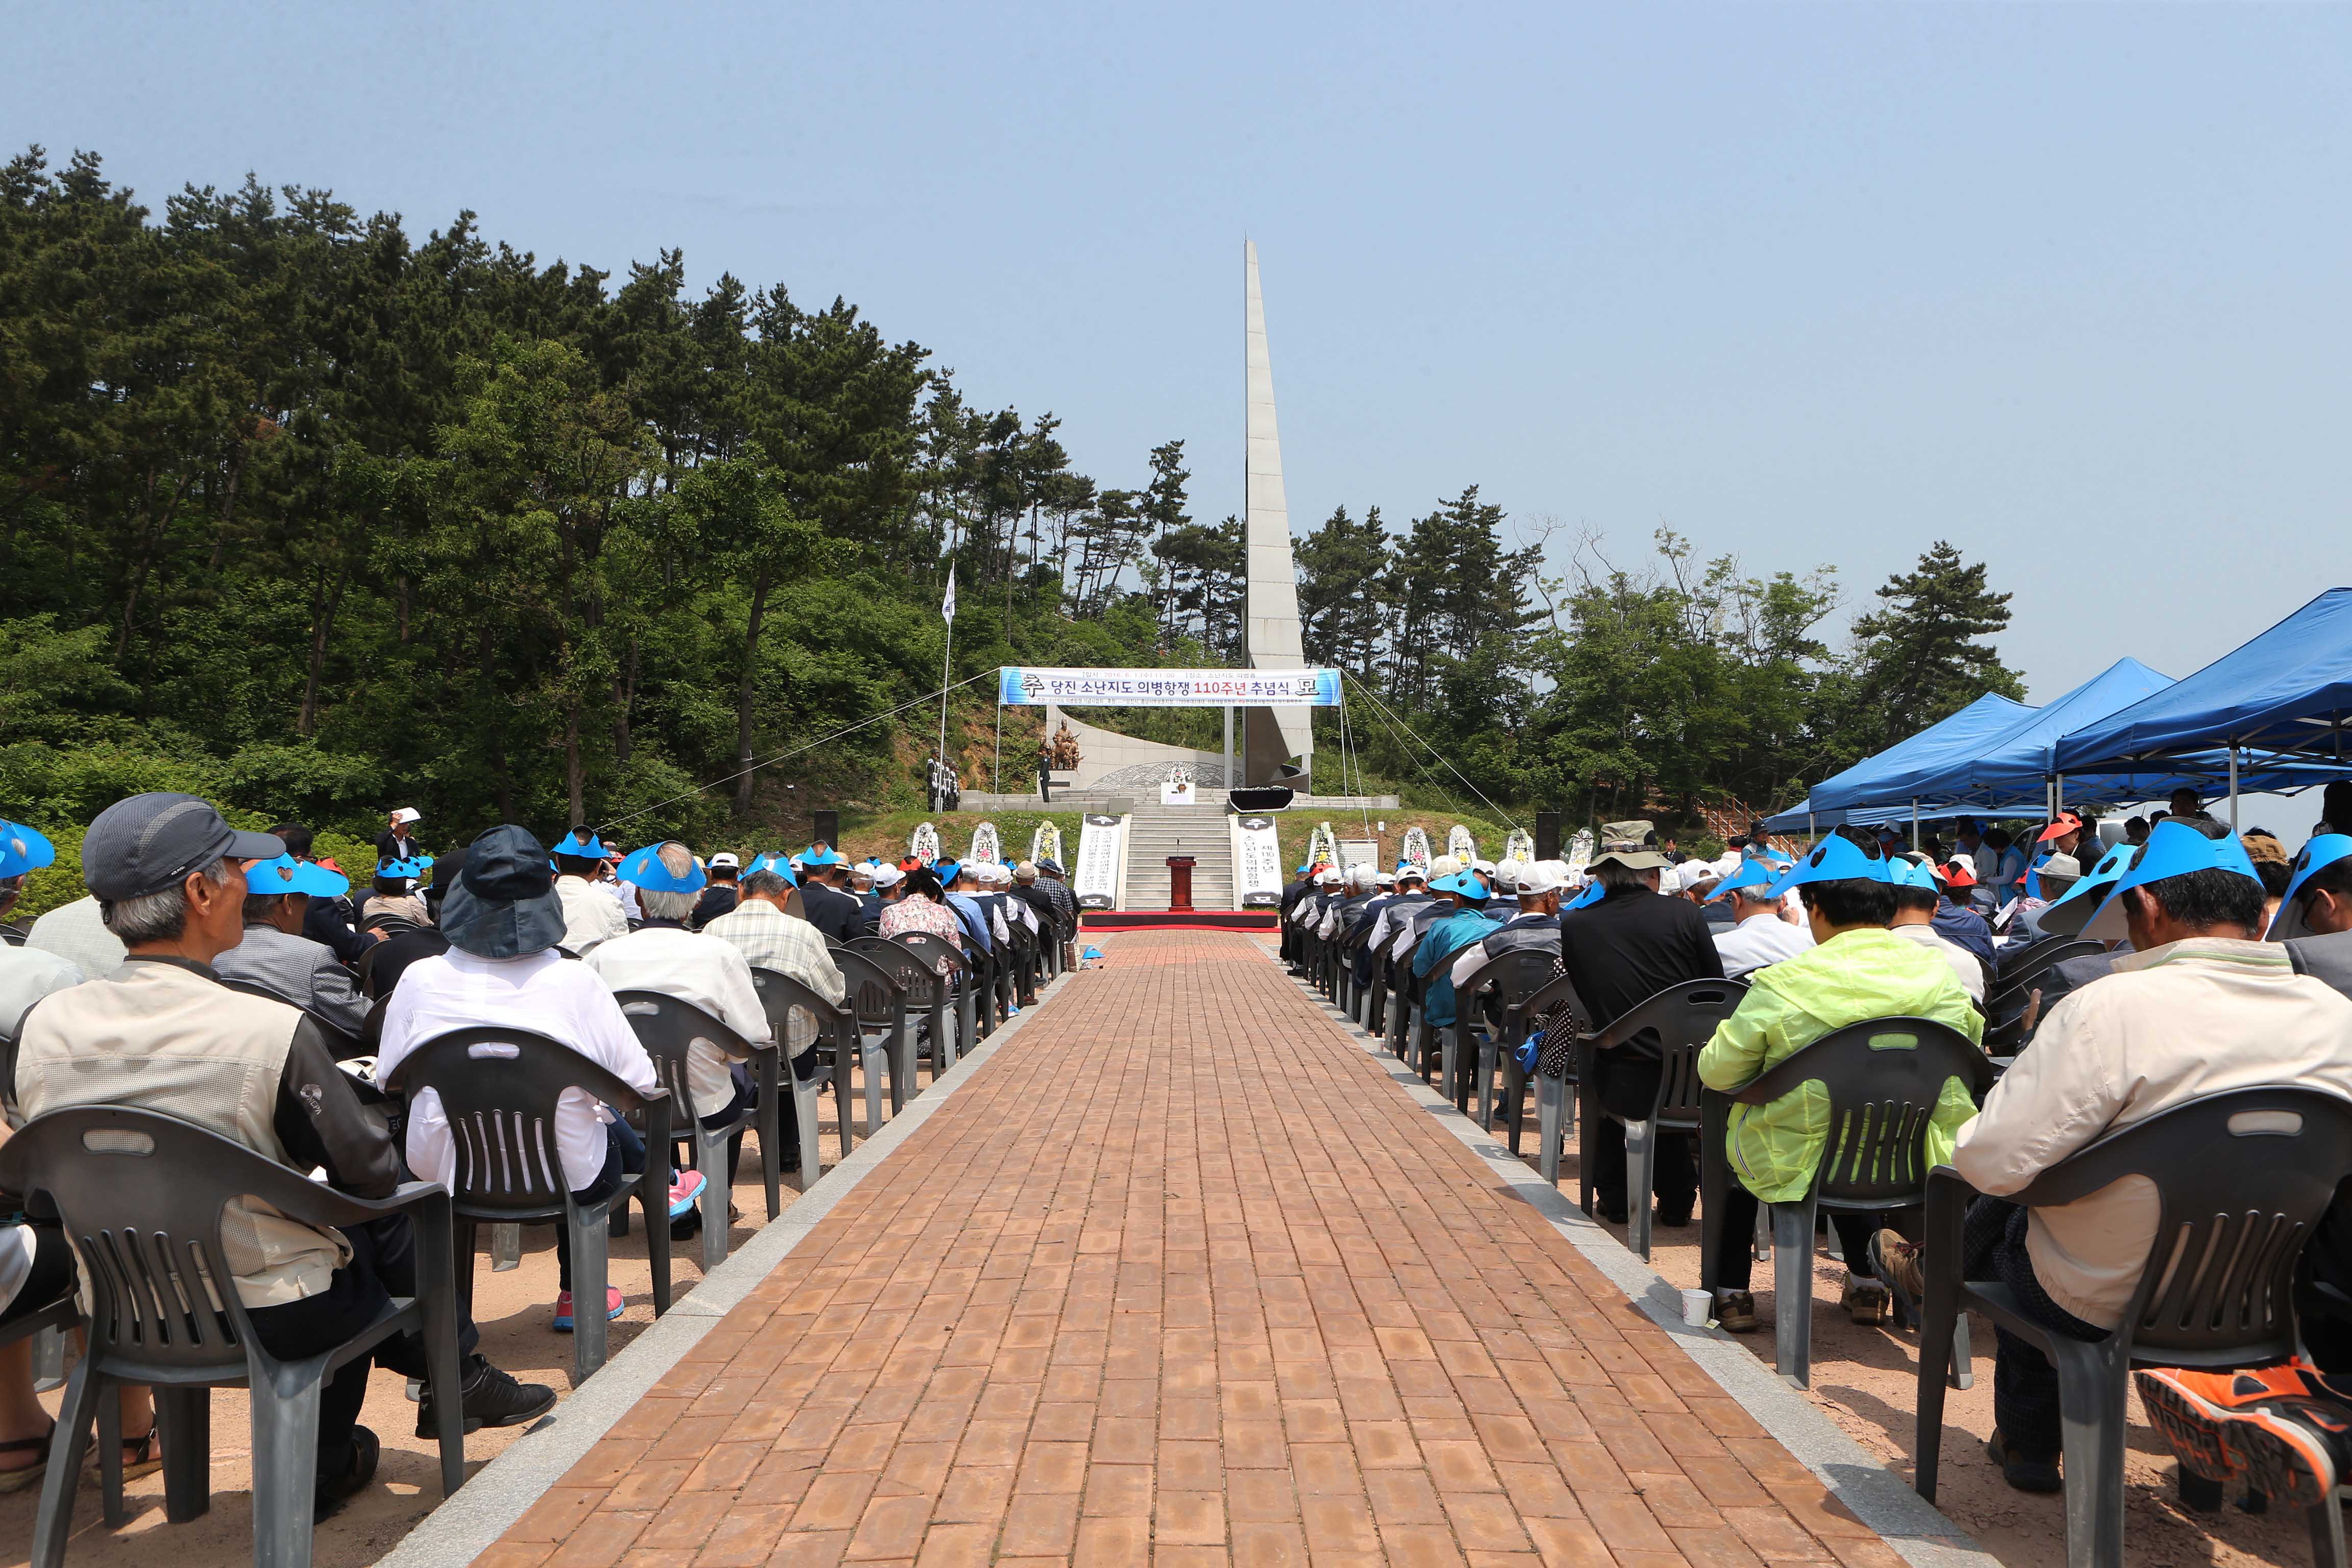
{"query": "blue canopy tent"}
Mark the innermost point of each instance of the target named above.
(1835, 800)
(2279, 700)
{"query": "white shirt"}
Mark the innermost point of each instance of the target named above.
(703, 972)
(16, 1249)
(546, 993)
(27, 974)
(591, 914)
(1964, 967)
(75, 933)
(1758, 941)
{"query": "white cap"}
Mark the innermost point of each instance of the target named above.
(1411, 870)
(1484, 867)
(1385, 880)
(1445, 865)
(1541, 876)
(408, 813)
(887, 875)
(724, 860)
(1328, 876)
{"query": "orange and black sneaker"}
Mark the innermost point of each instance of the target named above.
(2278, 1430)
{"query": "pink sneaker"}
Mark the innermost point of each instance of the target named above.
(614, 1303)
(684, 1192)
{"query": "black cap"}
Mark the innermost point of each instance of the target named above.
(150, 842)
(504, 903)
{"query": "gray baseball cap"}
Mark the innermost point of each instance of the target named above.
(148, 842)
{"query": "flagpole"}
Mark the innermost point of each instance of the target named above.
(947, 660)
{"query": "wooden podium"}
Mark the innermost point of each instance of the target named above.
(1180, 883)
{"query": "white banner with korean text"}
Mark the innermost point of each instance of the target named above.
(1096, 884)
(1020, 686)
(1257, 862)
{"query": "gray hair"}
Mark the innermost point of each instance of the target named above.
(761, 885)
(1755, 893)
(158, 916)
(679, 861)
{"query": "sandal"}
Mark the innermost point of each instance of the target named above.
(147, 1462)
(30, 1475)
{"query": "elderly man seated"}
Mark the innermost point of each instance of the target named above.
(163, 1034)
(1857, 970)
(1622, 944)
(768, 938)
(1468, 924)
(27, 974)
(2050, 881)
(2201, 1005)
(1762, 933)
(276, 956)
(503, 918)
(700, 968)
(1916, 899)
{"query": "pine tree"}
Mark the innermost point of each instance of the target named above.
(1917, 659)
(1341, 614)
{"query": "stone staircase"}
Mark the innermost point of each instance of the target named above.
(1156, 832)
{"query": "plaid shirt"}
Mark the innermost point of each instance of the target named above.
(770, 939)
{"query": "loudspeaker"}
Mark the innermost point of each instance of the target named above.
(1546, 835)
(827, 828)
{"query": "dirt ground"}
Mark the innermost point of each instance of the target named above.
(513, 1310)
(1867, 1381)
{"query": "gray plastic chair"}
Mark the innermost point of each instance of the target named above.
(2242, 1180)
(1684, 1018)
(1554, 1111)
(498, 1088)
(141, 1195)
(1882, 1078)
(780, 994)
(47, 1330)
(880, 1002)
(1398, 1032)
(1494, 988)
(667, 1028)
(952, 962)
(2031, 962)
(920, 990)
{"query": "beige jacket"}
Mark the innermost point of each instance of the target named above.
(163, 1036)
(591, 914)
(2190, 1018)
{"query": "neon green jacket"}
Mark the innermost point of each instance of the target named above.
(1849, 979)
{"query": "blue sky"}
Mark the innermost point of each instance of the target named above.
(2064, 285)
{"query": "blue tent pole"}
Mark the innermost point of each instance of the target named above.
(1915, 827)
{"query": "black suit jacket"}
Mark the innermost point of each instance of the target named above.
(834, 912)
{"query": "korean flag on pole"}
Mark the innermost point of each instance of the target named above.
(946, 605)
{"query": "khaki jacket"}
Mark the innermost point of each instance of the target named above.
(162, 1036)
(2190, 1018)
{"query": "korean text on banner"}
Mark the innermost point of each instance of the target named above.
(1020, 686)
(1257, 862)
(1096, 885)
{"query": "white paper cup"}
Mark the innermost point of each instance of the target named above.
(1699, 1306)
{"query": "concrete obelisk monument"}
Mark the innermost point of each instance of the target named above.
(1274, 739)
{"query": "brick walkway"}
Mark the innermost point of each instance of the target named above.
(1181, 1277)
